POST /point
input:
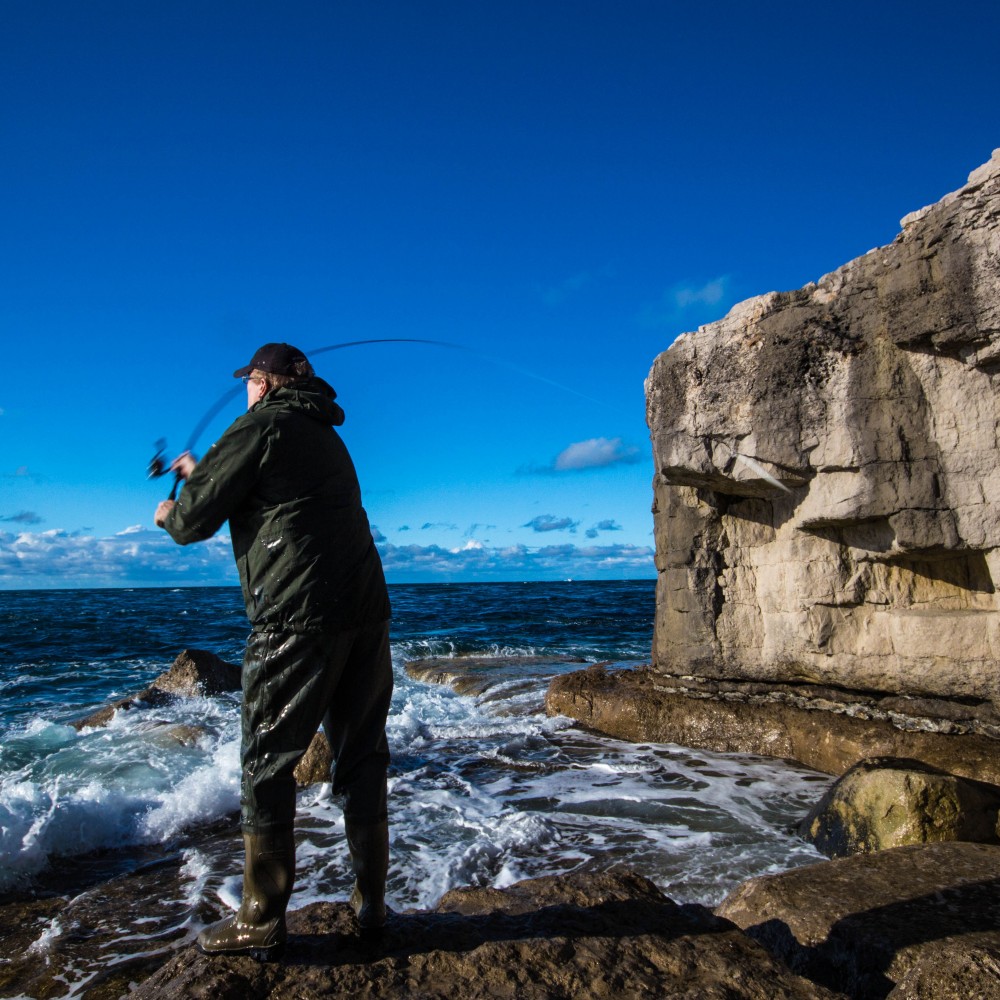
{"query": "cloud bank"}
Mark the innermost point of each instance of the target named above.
(147, 557)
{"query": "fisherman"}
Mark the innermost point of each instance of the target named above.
(318, 652)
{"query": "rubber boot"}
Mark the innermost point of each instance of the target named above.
(369, 846)
(258, 928)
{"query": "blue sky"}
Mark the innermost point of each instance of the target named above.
(559, 188)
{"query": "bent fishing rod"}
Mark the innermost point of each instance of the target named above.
(159, 466)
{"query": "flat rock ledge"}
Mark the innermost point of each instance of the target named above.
(911, 923)
(824, 728)
(575, 937)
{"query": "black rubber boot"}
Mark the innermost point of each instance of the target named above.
(369, 845)
(258, 928)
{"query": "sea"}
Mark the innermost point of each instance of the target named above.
(118, 843)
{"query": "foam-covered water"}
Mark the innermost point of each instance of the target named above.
(483, 790)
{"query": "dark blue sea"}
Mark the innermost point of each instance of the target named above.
(484, 790)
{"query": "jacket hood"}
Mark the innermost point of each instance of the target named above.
(314, 397)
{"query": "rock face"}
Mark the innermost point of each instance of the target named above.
(827, 488)
(889, 802)
(914, 922)
(574, 937)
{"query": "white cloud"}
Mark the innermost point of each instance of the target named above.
(470, 546)
(709, 294)
(682, 298)
(595, 453)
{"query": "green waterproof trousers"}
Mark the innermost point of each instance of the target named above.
(294, 682)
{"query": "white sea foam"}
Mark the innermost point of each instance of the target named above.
(131, 782)
(482, 791)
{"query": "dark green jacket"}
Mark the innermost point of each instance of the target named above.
(283, 479)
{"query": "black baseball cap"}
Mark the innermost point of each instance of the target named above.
(278, 359)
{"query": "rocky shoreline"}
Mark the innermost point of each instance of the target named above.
(920, 921)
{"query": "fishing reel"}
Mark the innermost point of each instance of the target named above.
(159, 466)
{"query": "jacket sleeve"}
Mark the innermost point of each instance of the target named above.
(219, 483)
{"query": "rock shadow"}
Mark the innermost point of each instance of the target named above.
(410, 934)
(863, 951)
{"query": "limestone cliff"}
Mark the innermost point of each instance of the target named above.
(827, 488)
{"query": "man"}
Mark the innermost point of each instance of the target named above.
(318, 652)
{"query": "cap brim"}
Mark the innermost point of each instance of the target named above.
(240, 372)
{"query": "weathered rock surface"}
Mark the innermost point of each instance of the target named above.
(920, 921)
(195, 672)
(821, 727)
(827, 490)
(574, 937)
(888, 802)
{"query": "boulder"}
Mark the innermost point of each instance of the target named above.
(576, 937)
(827, 491)
(195, 672)
(918, 921)
(888, 802)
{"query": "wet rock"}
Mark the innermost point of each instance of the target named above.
(902, 919)
(576, 937)
(314, 768)
(195, 673)
(888, 802)
(818, 726)
(827, 494)
(493, 678)
(180, 734)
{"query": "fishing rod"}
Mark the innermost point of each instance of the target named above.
(159, 466)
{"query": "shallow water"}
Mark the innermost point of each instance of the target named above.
(483, 790)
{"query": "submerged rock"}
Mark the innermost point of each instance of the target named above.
(821, 727)
(194, 673)
(888, 802)
(925, 917)
(491, 678)
(576, 937)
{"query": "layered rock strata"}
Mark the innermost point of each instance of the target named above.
(827, 488)
(821, 727)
